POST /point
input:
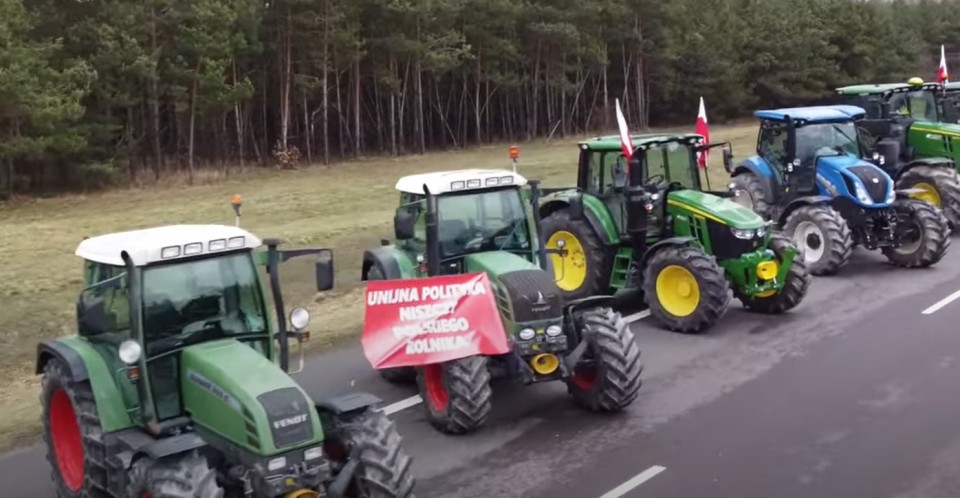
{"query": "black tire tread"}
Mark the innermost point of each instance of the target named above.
(597, 258)
(617, 357)
(935, 237)
(794, 288)
(947, 182)
(384, 468)
(185, 475)
(467, 381)
(712, 282)
(96, 481)
(748, 182)
(838, 238)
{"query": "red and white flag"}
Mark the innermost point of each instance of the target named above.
(626, 144)
(942, 75)
(702, 128)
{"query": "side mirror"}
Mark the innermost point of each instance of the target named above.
(728, 159)
(324, 271)
(92, 317)
(403, 224)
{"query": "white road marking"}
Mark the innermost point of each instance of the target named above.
(941, 303)
(636, 317)
(403, 404)
(415, 400)
(634, 481)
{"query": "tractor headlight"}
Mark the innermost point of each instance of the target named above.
(891, 196)
(277, 464)
(313, 453)
(760, 231)
(299, 318)
(743, 234)
(554, 330)
(876, 157)
(129, 352)
(862, 195)
(527, 334)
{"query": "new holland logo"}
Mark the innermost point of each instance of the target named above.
(876, 180)
(287, 422)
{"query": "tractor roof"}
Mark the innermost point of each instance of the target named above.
(443, 182)
(875, 89)
(813, 114)
(952, 86)
(612, 142)
(152, 244)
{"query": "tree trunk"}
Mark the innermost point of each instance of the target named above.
(606, 97)
(193, 119)
(326, 82)
(308, 130)
(238, 122)
(476, 100)
(418, 120)
(155, 96)
(286, 78)
(357, 130)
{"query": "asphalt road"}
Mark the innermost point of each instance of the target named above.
(849, 395)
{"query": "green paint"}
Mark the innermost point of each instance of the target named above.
(590, 203)
(718, 208)
(242, 374)
(612, 142)
(496, 263)
(877, 89)
(111, 405)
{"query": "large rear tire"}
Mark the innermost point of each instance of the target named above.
(941, 188)
(924, 233)
(73, 435)
(187, 475)
(823, 237)
(400, 375)
(685, 289)
(607, 379)
(456, 394)
(750, 193)
(582, 272)
(383, 468)
(794, 287)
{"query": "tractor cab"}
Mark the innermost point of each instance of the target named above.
(794, 143)
(951, 103)
(152, 294)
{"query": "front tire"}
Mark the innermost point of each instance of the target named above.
(823, 237)
(924, 235)
(187, 475)
(383, 469)
(685, 289)
(582, 272)
(608, 377)
(73, 435)
(794, 286)
(399, 375)
(456, 394)
(751, 194)
(941, 188)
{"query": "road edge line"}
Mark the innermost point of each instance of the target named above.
(633, 482)
(942, 303)
(403, 404)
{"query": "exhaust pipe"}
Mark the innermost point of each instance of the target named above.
(545, 363)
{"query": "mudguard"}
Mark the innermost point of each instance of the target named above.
(387, 260)
(594, 211)
(800, 202)
(347, 403)
(934, 162)
(762, 171)
(173, 445)
(85, 364)
(670, 242)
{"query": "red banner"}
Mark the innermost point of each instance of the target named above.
(431, 320)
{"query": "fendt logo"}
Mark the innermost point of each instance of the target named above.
(287, 422)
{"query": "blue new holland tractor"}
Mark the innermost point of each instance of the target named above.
(810, 179)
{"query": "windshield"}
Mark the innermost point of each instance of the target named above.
(493, 220)
(674, 162)
(826, 139)
(920, 105)
(195, 301)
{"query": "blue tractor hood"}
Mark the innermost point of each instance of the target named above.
(849, 176)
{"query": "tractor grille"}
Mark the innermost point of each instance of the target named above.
(727, 246)
(532, 294)
(289, 416)
(874, 179)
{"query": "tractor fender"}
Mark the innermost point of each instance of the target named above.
(86, 364)
(800, 202)
(384, 259)
(589, 214)
(348, 403)
(670, 242)
(759, 168)
(933, 162)
(172, 445)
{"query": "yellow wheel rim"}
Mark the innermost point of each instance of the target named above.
(570, 271)
(929, 195)
(678, 291)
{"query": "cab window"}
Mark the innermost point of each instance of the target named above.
(772, 145)
(104, 305)
(416, 204)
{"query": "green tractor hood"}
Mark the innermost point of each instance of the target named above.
(232, 391)
(525, 294)
(715, 208)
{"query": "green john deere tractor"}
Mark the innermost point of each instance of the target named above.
(951, 103)
(174, 386)
(649, 225)
(480, 220)
(912, 132)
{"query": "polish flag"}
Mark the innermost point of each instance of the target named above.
(702, 128)
(626, 144)
(942, 75)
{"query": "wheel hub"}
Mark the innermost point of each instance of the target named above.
(677, 291)
(810, 240)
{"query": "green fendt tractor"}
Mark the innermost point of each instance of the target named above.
(650, 225)
(908, 131)
(174, 387)
(479, 220)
